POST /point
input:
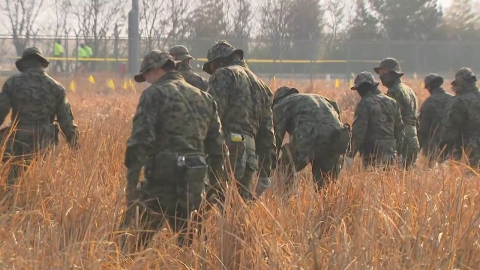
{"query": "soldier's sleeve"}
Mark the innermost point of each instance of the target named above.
(280, 121)
(455, 116)
(219, 87)
(265, 140)
(215, 146)
(335, 106)
(5, 103)
(65, 118)
(399, 131)
(141, 142)
(425, 122)
(359, 128)
(204, 84)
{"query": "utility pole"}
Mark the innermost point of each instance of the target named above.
(133, 39)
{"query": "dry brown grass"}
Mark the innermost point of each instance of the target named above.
(65, 211)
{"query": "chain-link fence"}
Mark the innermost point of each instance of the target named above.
(307, 58)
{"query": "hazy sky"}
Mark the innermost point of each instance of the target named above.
(48, 3)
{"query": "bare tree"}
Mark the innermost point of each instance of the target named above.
(241, 22)
(21, 17)
(339, 22)
(209, 19)
(96, 18)
(275, 17)
(180, 19)
(62, 9)
(153, 23)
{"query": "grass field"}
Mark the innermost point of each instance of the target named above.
(65, 211)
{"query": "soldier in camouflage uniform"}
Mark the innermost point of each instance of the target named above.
(181, 53)
(431, 116)
(462, 122)
(244, 105)
(175, 126)
(35, 100)
(377, 131)
(390, 75)
(318, 136)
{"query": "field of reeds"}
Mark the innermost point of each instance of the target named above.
(65, 211)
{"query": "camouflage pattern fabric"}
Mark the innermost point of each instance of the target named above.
(154, 59)
(191, 77)
(35, 99)
(407, 100)
(317, 135)
(431, 116)
(180, 53)
(245, 108)
(174, 128)
(377, 131)
(462, 122)
(391, 64)
(221, 49)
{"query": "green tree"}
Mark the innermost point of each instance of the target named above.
(209, 19)
(408, 19)
(365, 24)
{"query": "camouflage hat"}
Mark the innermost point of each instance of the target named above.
(432, 77)
(363, 77)
(180, 53)
(219, 50)
(31, 52)
(391, 64)
(283, 92)
(464, 74)
(154, 59)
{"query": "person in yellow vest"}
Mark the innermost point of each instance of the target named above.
(89, 51)
(82, 56)
(58, 52)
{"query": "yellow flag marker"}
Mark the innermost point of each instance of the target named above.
(72, 86)
(337, 83)
(111, 84)
(422, 85)
(91, 79)
(125, 84)
(132, 85)
(351, 83)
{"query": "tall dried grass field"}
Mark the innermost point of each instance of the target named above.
(65, 211)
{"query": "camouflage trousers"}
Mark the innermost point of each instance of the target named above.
(243, 162)
(324, 153)
(171, 193)
(381, 160)
(22, 147)
(411, 147)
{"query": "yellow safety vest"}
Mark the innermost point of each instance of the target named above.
(57, 50)
(82, 53)
(89, 51)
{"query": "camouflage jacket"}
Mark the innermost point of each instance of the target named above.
(245, 106)
(36, 99)
(174, 116)
(377, 125)
(463, 119)
(431, 116)
(297, 109)
(407, 100)
(192, 78)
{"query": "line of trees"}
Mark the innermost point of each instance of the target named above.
(289, 24)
